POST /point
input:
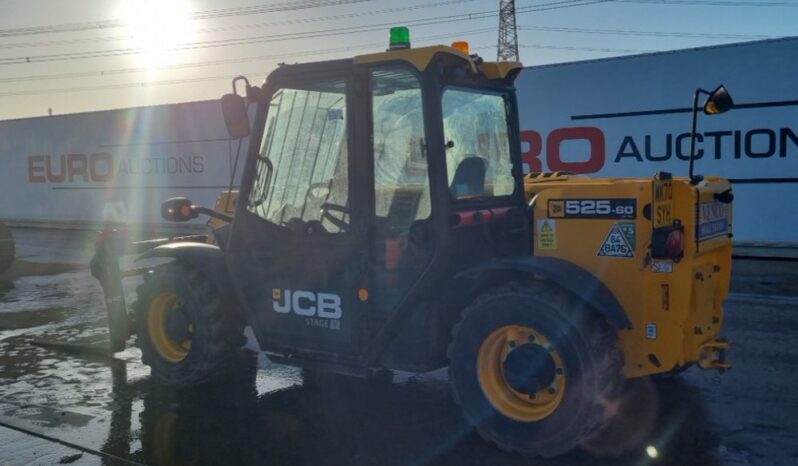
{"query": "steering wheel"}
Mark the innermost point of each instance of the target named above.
(326, 214)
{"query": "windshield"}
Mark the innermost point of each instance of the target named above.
(301, 174)
(478, 158)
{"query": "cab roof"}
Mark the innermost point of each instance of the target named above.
(421, 57)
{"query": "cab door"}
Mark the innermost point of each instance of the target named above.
(403, 240)
(296, 254)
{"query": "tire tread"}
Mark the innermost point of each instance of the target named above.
(225, 330)
(600, 337)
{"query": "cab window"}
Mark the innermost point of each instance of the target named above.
(301, 176)
(401, 182)
(475, 129)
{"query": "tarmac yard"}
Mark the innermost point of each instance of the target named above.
(56, 407)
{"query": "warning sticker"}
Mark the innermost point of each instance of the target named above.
(547, 234)
(629, 231)
(620, 241)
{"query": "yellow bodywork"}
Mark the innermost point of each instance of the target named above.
(675, 306)
(226, 203)
(421, 57)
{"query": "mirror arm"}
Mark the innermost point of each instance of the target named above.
(252, 93)
(698, 92)
(240, 78)
(694, 180)
(212, 213)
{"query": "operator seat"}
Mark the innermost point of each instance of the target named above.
(469, 178)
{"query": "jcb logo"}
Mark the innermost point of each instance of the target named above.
(307, 303)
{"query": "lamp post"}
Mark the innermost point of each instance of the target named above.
(719, 101)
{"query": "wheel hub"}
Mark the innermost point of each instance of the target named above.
(177, 324)
(529, 368)
(521, 373)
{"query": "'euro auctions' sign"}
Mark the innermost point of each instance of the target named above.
(631, 116)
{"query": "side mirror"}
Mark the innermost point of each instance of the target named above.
(178, 209)
(719, 101)
(235, 114)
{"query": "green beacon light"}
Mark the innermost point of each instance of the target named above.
(400, 38)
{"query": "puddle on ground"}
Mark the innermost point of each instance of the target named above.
(78, 290)
(27, 319)
(268, 416)
(5, 287)
(265, 414)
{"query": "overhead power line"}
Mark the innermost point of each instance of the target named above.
(239, 27)
(293, 36)
(226, 61)
(245, 40)
(229, 12)
(198, 15)
(586, 49)
(626, 32)
(315, 52)
(146, 84)
(756, 4)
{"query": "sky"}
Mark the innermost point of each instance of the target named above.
(69, 56)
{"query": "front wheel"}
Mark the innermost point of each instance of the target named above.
(532, 368)
(187, 333)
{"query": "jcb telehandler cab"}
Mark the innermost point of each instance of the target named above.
(384, 222)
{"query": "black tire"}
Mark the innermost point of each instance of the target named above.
(630, 421)
(585, 347)
(215, 333)
(7, 248)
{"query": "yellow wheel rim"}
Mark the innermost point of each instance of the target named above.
(169, 349)
(497, 388)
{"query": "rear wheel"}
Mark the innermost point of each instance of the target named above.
(187, 333)
(532, 369)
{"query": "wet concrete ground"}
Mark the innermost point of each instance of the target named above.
(105, 411)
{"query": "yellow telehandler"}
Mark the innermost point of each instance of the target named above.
(383, 222)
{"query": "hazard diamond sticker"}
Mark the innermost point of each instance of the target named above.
(547, 234)
(619, 242)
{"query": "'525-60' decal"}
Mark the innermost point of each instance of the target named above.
(593, 208)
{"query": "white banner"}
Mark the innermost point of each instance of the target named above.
(627, 116)
(630, 116)
(114, 166)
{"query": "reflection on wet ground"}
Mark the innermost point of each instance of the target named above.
(345, 421)
(336, 420)
(266, 415)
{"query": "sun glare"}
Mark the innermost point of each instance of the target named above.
(157, 28)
